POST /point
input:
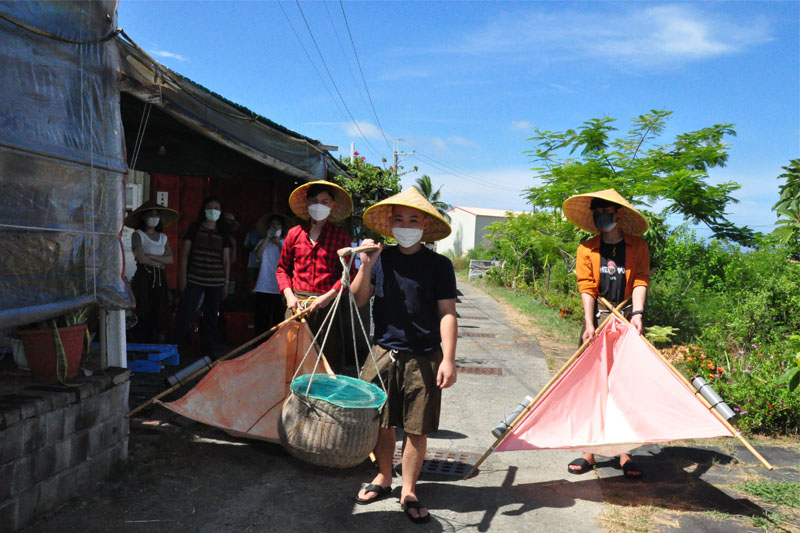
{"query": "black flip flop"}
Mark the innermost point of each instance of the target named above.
(380, 494)
(631, 470)
(585, 466)
(414, 504)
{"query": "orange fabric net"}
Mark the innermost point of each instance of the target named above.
(244, 396)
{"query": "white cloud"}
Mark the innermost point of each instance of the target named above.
(438, 144)
(563, 89)
(168, 55)
(462, 141)
(499, 188)
(358, 128)
(517, 125)
(638, 35)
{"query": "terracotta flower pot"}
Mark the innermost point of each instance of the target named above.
(40, 350)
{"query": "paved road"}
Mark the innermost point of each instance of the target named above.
(186, 476)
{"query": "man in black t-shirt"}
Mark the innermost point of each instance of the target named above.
(415, 336)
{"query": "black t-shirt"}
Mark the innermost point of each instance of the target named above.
(612, 271)
(407, 290)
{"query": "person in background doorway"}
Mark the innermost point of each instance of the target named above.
(269, 307)
(149, 284)
(251, 240)
(309, 265)
(204, 274)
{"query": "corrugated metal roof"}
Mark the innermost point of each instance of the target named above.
(217, 117)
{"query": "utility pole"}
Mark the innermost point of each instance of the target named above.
(397, 153)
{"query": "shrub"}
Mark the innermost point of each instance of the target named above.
(749, 380)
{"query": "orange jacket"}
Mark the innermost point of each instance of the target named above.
(637, 265)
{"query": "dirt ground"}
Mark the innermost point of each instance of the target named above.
(691, 485)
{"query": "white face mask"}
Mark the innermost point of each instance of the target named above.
(274, 233)
(407, 237)
(318, 211)
(213, 214)
(153, 221)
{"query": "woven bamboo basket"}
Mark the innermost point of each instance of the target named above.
(325, 434)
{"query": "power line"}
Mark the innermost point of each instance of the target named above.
(314, 40)
(363, 79)
(461, 173)
(321, 79)
(344, 54)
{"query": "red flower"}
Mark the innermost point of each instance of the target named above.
(355, 153)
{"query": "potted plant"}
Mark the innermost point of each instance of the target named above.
(54, 348)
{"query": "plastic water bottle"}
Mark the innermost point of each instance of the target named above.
(184, 373)
(500, 428)
(713, 398)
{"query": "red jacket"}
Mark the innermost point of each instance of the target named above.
(312, 267)
(637, 265)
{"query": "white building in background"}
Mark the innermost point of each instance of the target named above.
(469, 228)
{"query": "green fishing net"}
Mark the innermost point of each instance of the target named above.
(343, 391)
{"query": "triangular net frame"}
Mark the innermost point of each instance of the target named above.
(608, 398)
(244, 396)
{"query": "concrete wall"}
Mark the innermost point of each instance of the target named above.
(55, 441)
(469, 230)
(462, 236)
(480, 228)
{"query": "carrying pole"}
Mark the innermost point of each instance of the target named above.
(228, 355)
(736, 433)
(530, 406)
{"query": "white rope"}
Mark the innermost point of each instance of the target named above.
(327, 322)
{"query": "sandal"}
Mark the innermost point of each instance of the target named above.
(414, 504)
(582, 464)
(380, 494)
(631, 470)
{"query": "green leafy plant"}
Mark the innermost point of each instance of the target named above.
(747, 379)
(660, 334)
(791, 377)
(786, 493)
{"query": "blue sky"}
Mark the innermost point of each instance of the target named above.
(464, 84)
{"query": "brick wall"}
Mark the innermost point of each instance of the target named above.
(56, 441)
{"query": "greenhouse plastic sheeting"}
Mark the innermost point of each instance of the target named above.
(61, 160)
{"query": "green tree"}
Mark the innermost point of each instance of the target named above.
(367, 185)
(788, 207)
(424, 186)
(530, 243)
(639, 169)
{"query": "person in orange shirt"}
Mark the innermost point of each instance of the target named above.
(615, 264)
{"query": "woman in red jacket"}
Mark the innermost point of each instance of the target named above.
(615, 264)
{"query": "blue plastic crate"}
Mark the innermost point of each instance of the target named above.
(164, 353)
(144, 366)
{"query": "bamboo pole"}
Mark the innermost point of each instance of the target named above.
(530, 406)
(228, 355)
(736, 433)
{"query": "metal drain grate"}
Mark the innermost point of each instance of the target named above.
(455, 464)
(482, 370)
(474, 334)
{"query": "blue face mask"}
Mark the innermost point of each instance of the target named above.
(604, 221)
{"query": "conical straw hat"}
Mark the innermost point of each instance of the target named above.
(577, 209)
(378, 217)
(168, 216)
(298, 202)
